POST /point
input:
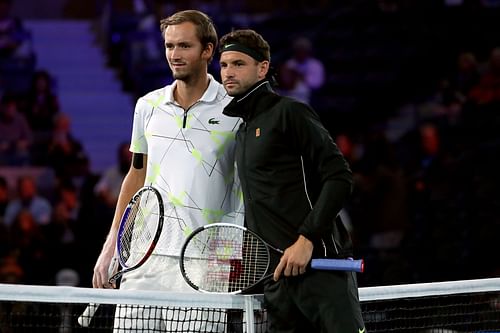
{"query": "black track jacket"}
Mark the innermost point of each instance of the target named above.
(294, 178)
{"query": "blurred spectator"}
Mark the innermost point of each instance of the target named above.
(65, 152)
(142, 57)
(425, 147)
(89, 226)
(389, 6)
(108, 187)
(15, 134)
(4, 200)
(381, 187)
(28, 199)
(490, 3)
(148, 44)
(351, 150)
(467, 74)
(15, 41)
(379, 209)
(43, 103)
(30, 246)
(118, 19)
(488, 88)
(302, 74)
(61, 232)
(10, 270)
(444, 106)
(4, 197)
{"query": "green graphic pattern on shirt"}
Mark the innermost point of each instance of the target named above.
(157, 102)
(222, 140)
(212, 215)
(154, 173)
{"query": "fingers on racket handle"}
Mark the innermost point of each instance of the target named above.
(87, 315)
(339, 264)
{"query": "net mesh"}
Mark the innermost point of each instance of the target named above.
(458, 306)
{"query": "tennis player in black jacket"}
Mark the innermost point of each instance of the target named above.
(295, 182)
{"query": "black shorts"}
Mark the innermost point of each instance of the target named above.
(318, 301)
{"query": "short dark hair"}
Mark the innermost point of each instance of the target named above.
(248, 38)
(205, 28)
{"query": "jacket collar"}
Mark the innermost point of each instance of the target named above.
(246, 104)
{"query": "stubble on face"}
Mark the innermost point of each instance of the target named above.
(184, 52)
(233, 88)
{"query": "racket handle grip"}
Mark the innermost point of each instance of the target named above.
(87, 315)
(339, 264)
(113, 265)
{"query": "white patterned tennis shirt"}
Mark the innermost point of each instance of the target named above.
(190, 160)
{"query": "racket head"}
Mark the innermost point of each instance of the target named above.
(224, 258)
(140, 228)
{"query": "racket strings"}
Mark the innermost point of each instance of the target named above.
(255, 262)
(225, 259)
(139, 230)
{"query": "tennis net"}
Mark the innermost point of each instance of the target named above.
(455, 306)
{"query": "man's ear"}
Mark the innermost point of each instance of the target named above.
(263, 69)
(208, 51)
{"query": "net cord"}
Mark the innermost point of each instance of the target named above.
(428, 289)
(63, 294)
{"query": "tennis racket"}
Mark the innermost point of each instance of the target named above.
(89, 312)
(139, 230)
(228, 258)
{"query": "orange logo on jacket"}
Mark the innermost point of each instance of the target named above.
(257, 132)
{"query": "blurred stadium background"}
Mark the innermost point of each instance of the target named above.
(411, 95)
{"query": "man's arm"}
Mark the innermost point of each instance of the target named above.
(132, 182)
(329, 167)
(318, 150)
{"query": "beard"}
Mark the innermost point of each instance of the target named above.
(181, 76)
(236, 89)
(188, 73)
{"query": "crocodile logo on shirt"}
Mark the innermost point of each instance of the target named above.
(213, 121)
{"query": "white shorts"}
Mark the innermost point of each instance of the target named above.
(163, 273)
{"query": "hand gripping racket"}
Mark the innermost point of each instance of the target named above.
(138, 233)
(228, 258)
(89, 312)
